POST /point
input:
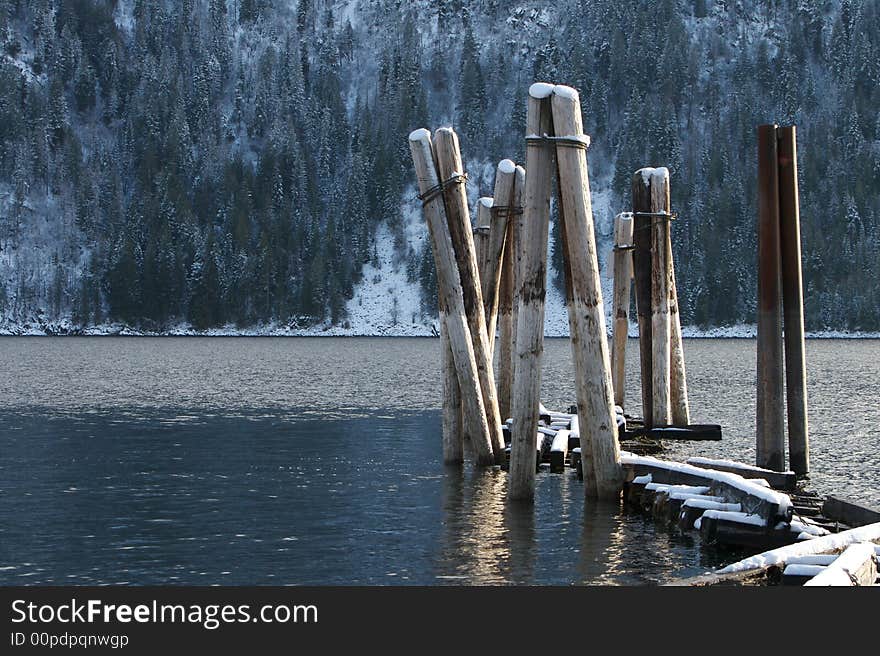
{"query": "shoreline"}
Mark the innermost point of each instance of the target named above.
(66, 329)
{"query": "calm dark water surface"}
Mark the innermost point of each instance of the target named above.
(312, 461)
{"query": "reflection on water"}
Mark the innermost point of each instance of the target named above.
(309, 461)
(92, 499)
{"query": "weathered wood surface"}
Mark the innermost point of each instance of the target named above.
(589, 340)
(826, 544)
(474, 419)
(850, 513)
(771, 506)
(622, 262)
(559, 451)
(449, 165)
(658, 182)
(586, 470)
(505, 181)
(770, 424)
(453, 435)
(692, 432)
(857, 565)
(798, 574)
(746, 578)
(481, 240)
(532, 290)
(679, 405)
(642, 238)
(778, 480)
(793, 302)
(719, 530)
(507, 304)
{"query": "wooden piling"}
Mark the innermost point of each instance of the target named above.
(507, 303)
(589, 341)
(532, 289)
(660, 291)
(642, 238)
(622, 263)
(678, 392)
(679, 407)
(452, 301)
(481, 241)
(770, 435)
(587, 472)
(505, 178)
(453, 437)
(450, 166)
(793, 303)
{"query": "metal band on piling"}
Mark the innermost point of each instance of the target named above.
(505, 210)
(571, 141)
(436, 190)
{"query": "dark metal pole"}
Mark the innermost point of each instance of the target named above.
(793, 303)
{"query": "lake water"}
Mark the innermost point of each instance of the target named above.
(317, 460)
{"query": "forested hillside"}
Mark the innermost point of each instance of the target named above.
(230, 163)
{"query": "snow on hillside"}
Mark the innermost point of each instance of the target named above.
(385, 302)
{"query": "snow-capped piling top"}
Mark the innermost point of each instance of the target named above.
(487, 201)
(446, 145)
(423, 158)
(506, 166)
(569, 93)
(649, 173)
(541, 90)
(420, 135)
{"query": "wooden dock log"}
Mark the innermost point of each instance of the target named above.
(507, 302)
(450, 166)
(793, 303)
(778, 480)
(622, 262)
(575, 462)
(589, 340)
(799, 574)
(452, 303)
(754, 498)
(850, 513)
(691, 432)
(532, 290)
(559, 451)
(825, 544)
(642, 266)
(741, 530)
(770, 423)
(453, 435)
(857, 565)
(693, 508)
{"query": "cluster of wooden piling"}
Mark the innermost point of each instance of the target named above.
(496, 274)
(441, 179)
(779, 278)
(492, 279)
